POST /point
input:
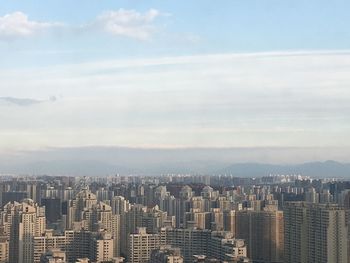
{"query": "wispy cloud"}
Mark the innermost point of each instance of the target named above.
(128, 23)
(24, 101)
(18, 25)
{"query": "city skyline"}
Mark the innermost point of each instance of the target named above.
(173, 218)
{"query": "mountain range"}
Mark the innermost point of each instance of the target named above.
(102, 161)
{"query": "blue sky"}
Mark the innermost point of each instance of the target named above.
(183, 29)
(174, 74)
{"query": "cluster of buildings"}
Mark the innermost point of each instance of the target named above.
(173, 219)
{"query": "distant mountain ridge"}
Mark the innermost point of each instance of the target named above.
(327, 169)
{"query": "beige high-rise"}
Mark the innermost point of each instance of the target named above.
(21, 222)
(316, 233)
(141, 245)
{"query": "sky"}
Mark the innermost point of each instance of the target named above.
(171, 74)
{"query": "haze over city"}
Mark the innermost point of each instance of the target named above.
(157, 131)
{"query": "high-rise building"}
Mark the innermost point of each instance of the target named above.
(4, 249)
(120, 207)
(190, 241)
(53, 209)
(198, 219)
(80, 210)
(224, 247)
(134, 218)
(153, 219)
(263, 232)
(97, 246)
(102, 247)
(229, 221)
(217, 219)
(21, 222)
(316, 233)
(47, 242)
(168, 204)
(141, 244)
(85, 212)
(183, 204)
(212, 244)
(116, 234)
(312, 196)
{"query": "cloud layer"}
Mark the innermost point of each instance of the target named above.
(276, 99)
